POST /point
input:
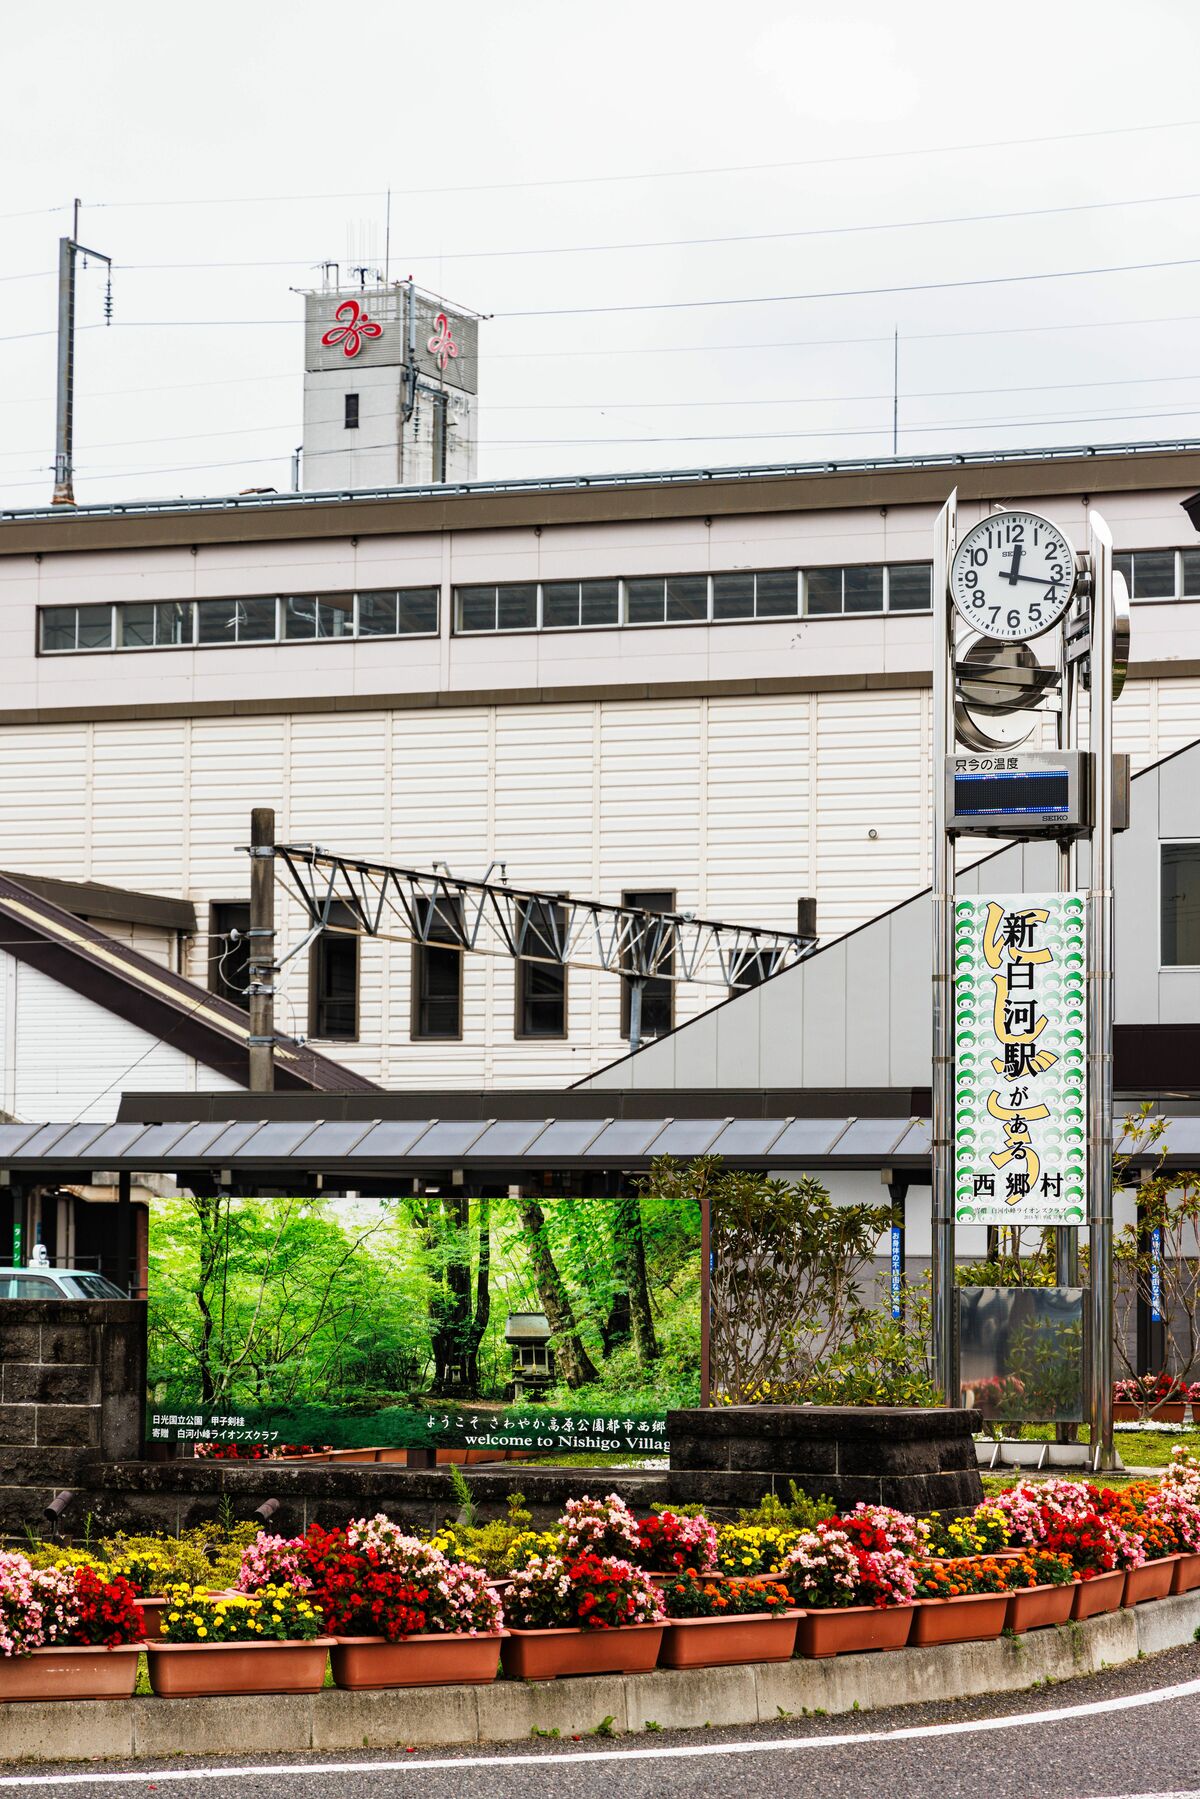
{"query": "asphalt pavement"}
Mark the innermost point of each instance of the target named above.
(1134, 1730)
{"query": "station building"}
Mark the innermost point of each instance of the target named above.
(705, 691)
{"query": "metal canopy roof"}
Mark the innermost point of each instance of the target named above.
(280, 1151)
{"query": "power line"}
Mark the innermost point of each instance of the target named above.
(932, 393)
(787, 343)
(842, 293)
(927, 393)
(881, 429)
(683, 243)
(846, 293)
(848, 431)
(747, 168)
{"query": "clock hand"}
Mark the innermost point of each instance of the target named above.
(1013, 575)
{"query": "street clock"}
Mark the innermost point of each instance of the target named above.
(1013, 576)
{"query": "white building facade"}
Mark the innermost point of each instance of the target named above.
(705, 693)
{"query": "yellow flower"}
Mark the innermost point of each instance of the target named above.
(201, 1631)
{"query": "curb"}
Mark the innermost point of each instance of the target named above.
(510, 1711)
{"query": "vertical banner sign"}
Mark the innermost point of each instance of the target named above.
(1020, 1041)
(1156, 1275)
(897, 1272)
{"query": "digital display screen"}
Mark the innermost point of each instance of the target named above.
(1045, 794)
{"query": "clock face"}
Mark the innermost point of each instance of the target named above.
(1012, 576)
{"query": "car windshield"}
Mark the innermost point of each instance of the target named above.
(95, 1286)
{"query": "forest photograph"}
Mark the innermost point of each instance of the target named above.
(343, 1322)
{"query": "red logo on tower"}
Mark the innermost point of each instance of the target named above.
(442, 345)
(356, 324)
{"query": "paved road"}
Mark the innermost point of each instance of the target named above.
(1135, 1730)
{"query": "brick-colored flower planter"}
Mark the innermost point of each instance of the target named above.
(967, 1618)
(1151, 1581)
(433, 1660)
(720, 1642)
(847, 1629)
(1187, 1574)
(545, 1654)
(1031, 1608)
(201, 1670)
(70, 1673)
(1102, 1593)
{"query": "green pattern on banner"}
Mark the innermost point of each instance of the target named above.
(1020, 1058)
(541, 1429)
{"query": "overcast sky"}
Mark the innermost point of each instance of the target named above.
(528, 144)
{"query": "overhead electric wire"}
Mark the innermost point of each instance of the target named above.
(683, 243)
(83, 472)
(1033, 418)
(661, 243)
(931, 393)
(639, 306)
(787, 343)
(846, 293)
(746, 168)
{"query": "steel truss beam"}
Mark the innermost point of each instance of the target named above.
(408, 905)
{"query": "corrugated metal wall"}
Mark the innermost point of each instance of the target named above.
(740, 805)
(40, 1080)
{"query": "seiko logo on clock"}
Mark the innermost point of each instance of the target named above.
(1013, 576)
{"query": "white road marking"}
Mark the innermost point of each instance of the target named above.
(1096, 1708)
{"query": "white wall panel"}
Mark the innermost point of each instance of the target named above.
(738, 804)
(64, 1057)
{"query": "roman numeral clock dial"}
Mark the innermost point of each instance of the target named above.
(1013, 576)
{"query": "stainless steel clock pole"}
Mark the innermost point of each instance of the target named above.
(1066, 1236)
(1100, 998)
(942, 885)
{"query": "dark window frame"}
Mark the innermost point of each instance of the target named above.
(350, 412)
(204, 607)
(658, 986)
(525, 970)
(1165, 845)
(319, 961)
(218, 927)
(1126, 562)
(419, 966)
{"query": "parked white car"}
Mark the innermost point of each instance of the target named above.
(56, 1283)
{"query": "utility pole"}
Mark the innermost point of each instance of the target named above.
(261, 968)
(64, 427)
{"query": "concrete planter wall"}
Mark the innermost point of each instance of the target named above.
(919, 1459)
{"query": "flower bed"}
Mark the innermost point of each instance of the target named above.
(716, 1622)
(66, 1633)
(396, 1608)
(753, 1549)
(854, 1590)
(668, 1543)
(587, 1615)
(264, 1642)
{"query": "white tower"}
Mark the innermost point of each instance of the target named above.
(390, 379)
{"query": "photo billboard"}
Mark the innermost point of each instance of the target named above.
(433, 1321)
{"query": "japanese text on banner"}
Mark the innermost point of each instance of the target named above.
(1020, 1030)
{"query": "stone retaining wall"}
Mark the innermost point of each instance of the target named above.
(72, 1386)
(918, 1459)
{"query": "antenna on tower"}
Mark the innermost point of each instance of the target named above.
(64, 429)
